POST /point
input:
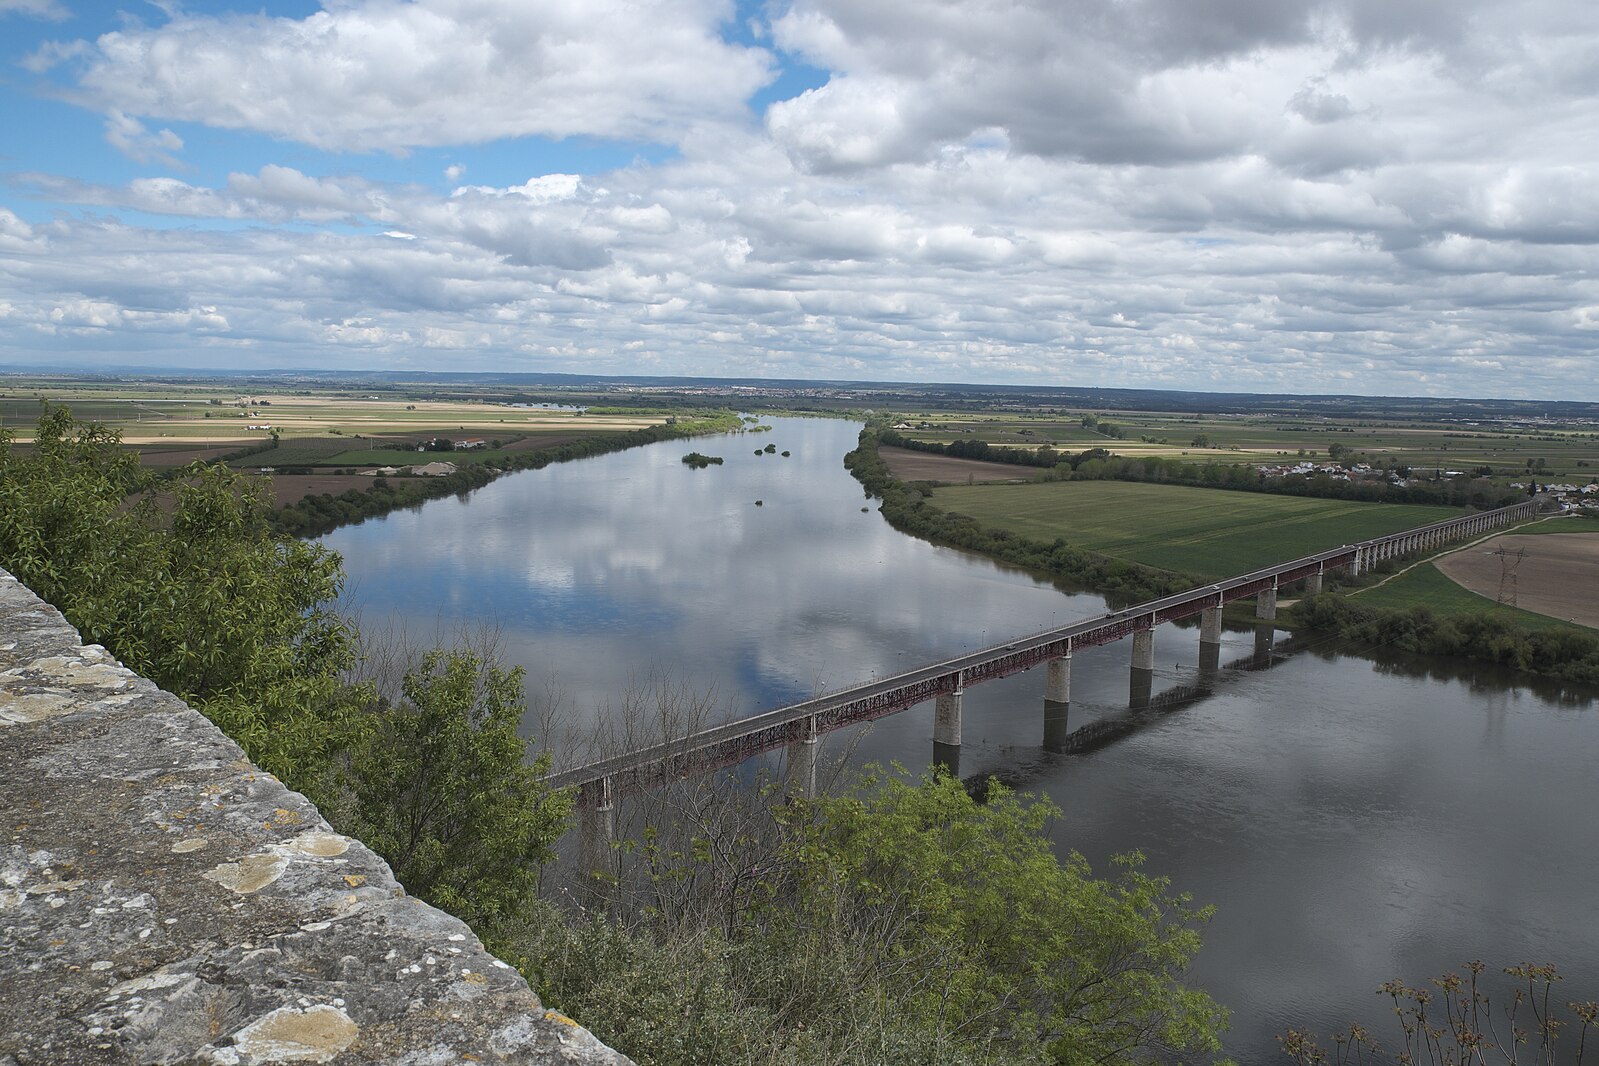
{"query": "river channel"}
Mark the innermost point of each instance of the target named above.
(1351, 819)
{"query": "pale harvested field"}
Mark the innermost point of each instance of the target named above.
(908, 465)
(1558, 577)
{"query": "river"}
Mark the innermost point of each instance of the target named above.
(1351, 819)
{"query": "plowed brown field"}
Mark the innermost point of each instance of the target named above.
(909, 465)
(1558, 576)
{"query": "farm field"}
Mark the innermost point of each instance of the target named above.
(908, 465)
(1566, 453)
(1554, 575)
(1210, 533)
(221, 418)
(1424, 586)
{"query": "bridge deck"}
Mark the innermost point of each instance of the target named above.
(733, 742)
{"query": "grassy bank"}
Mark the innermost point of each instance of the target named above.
(316, 515)
(1213, 533)
(908, 510)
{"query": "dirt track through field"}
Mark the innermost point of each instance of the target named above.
(1557, 576)
(908, 465)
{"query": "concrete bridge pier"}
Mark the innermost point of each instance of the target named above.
(1209, 646)
(1057, 702)
(1313, 584)
(1141, 682)
(802, 761)
(947, 731)
(1266, 604)
(596, 803)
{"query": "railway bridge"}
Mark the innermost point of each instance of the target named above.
(800, 726)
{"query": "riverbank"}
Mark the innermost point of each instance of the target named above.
(316, 515)
(1553, 650)
(906, 509)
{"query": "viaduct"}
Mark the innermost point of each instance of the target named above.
(800, 726)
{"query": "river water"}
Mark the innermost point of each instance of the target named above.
(1351, 819)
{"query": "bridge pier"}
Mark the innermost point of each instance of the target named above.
(947, 731)
(802, 761)
(1313, 584)
(1209, 646)
(1057, 702)
(1141, 680)
(1266, 604)
(596, 804)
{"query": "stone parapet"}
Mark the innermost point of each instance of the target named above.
(162, 900)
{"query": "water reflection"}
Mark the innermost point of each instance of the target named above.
(1352, 819)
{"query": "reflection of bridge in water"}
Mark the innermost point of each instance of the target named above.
(800, 725)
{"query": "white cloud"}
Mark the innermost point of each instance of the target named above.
(42, 9)
(128, 135)
(1236, 194)
(374, 74)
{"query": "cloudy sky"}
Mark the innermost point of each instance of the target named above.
(1370, 196)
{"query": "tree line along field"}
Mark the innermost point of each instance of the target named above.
(1567, 452)
(1212, 533)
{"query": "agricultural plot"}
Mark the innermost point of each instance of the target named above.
(1424, 586)
(1549, 454)
(908, 465)
(1211, 533)
(1555, 575)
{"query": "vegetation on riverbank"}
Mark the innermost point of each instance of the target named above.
(1561, 651)
(315, 515)
(907, 509)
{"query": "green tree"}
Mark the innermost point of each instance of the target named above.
(978, 926)
(442, 789)
(181, 579)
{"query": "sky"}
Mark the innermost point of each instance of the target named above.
(1367, 196)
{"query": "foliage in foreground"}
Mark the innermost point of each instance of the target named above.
(441, 789)
(1456, 1021)
(898, 923)
(1559, 651)
(184, 582)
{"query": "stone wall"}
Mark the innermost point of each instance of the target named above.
(163, 900)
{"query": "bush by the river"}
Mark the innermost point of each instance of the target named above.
(1565, 652)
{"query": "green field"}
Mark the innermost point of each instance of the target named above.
(1566, 453)
(1424, 586)
(1208, 532)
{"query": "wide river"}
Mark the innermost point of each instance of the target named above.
(1351, 820)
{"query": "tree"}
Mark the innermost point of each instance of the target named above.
(442, 789)
(975, 925)
(182, 581)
